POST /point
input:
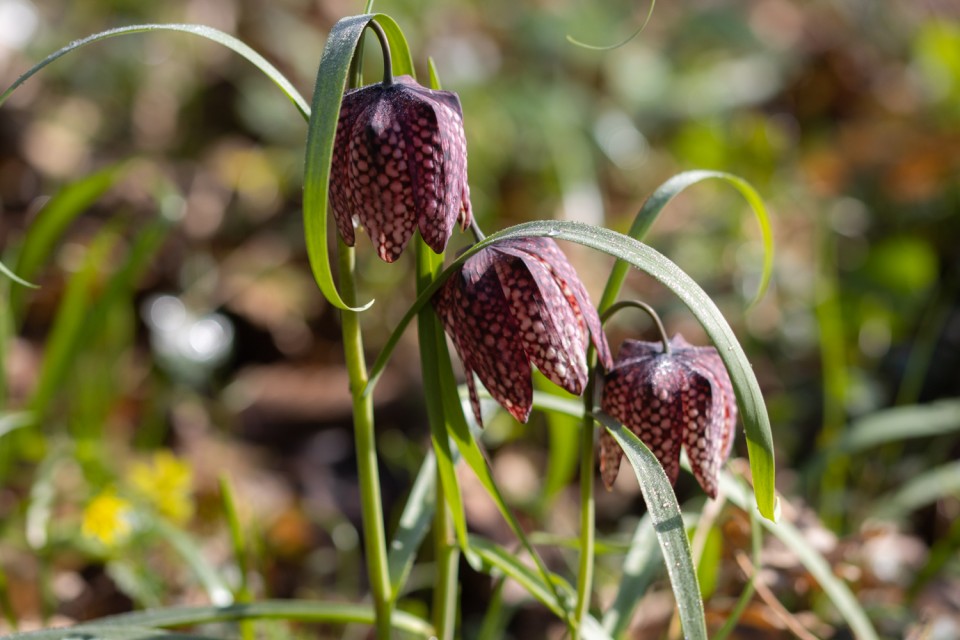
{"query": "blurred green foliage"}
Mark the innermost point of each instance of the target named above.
(845, 115)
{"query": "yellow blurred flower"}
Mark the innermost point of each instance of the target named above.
(107, 518)
(165, 482)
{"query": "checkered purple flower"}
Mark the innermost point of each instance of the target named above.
(514, 303)
(400, 164)
(668, 399)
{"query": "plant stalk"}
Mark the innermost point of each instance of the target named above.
(445, 594)
(375, 540)
(587, 510)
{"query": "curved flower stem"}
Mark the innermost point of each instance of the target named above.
(387, 62)
(375, 540)
(636, 304)
(475, 228)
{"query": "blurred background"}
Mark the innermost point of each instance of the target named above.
(178, 336)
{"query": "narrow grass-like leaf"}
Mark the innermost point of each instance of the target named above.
(611, 47)
(563, 445)
(473, 455)
(838, 592)
(557, 596)
(430, 340)
(662, 196)
(51, 222)
(10, 274)
(414, 524)
(209, 33)
(750, 400)
(99, 632)
(924, 489)
(292, 610)
(322, 130)
(668, 523)
(13, 421)
(640, 567)
(526, 576)
(237, 537)
(42, 494)
(217, 589)
(66, 335)
(82, 310)
(902, 423)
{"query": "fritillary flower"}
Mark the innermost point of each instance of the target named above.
(514, 303)
(682, 396)
(400, 164)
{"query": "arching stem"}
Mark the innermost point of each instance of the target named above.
(636, 304)
(385, 46)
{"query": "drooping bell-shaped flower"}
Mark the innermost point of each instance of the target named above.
(400, 164)
(514, 303)
(683, 396)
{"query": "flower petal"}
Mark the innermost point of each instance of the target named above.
(547, 251)
(703, 426)
(485, 335)
(379, 183)
(644, 399)
(610, 456)
(553, 336)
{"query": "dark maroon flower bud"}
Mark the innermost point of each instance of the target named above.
(513, 303)
(400, 163)
(683, 396)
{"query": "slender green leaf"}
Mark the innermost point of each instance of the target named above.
(640, 567)
(13, 421)
(82, 310)
(49, 225)
(662, 196)
(209, 33)
(42, 494)
(838, 592)
(217, 589)
(526, 576)
(237, 537)
(611, 47)
(564, 443)
(665, 514)
(293, 610)
(926, 488)
(752, 408)
(414, 524)
(322, 130)
(98, 632)
(66, 335)
(10, 274)
(557, 596)
(467, 445)
(902, 423)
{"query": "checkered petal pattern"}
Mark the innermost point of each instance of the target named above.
(515, 303)
(400, 164)
(682, 398)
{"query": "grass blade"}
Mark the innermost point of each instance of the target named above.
(902, 423)
(292, 610)
(668, 523)
(414, 524)
(50, 224)
(928, 487)
(98, 632)
(662, 196)
(209, 33)
(753, 411)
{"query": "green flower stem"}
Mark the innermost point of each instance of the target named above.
(445, 590)
(375, 539)
(445, 593)
(587, 509)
